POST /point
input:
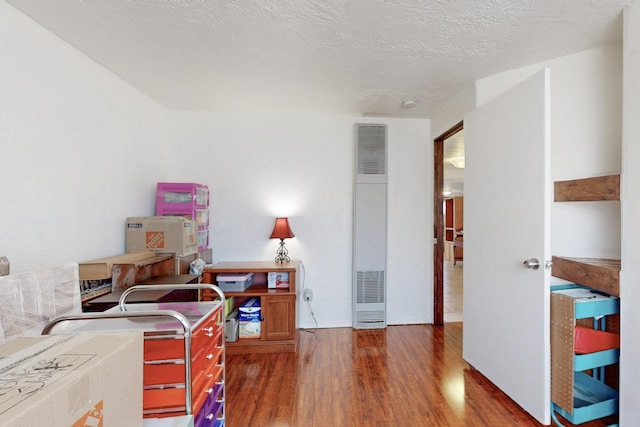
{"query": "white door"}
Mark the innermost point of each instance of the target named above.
(506, 214)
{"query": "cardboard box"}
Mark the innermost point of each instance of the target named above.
(96, 275)
(126, 275)
(72, 380)
(278, 279)
(250, 319)
(249, 329)
(162, 234)
(101, 268)
(250, 310)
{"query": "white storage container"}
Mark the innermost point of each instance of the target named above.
(234, 282)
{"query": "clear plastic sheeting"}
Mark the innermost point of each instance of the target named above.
(31, 299)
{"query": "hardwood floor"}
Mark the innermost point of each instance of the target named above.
(403, 376)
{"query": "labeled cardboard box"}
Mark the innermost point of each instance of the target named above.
(101, 268)
(126, 275)
(250, 319)
(277, 279)
(250, 310)
(249, 329)
(72, 380)
(162, 234)
(96, 275)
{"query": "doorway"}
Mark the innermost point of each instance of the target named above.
(445, 238)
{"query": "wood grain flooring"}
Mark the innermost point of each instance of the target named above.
(403, 376)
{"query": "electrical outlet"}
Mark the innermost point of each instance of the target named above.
(307, 295)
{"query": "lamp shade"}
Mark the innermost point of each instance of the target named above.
(282, 230)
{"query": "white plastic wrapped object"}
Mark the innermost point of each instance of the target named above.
(30, 300)
(197, 266)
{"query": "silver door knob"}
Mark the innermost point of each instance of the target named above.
(532, 264)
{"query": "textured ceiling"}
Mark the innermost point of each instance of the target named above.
(327, 57)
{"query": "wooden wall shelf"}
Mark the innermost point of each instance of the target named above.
(597, 273)
(588, 189)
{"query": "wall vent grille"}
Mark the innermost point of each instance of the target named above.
(370, 227)
(371, 149)
(370, 287)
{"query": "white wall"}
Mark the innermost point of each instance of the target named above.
(79, 150)
(629, 289)
(586, 114)
(259, 166)
(82, 151)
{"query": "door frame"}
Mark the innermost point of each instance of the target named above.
(438, 222)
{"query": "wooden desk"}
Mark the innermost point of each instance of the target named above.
(109, 300)
(176, 279)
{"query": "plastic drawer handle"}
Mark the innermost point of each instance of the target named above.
(209, 390)
(209, 356)
(209, 329)
(209, 417)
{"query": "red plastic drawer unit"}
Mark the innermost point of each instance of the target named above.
(184, 351)
(211, 410)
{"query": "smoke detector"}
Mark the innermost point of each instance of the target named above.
(409, 103)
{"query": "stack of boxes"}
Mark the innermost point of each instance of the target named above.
(180, 227)
(180, 231)
(186, 200)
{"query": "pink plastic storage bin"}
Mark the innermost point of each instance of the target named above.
(201, 216)
(185, 194)
(203, 238)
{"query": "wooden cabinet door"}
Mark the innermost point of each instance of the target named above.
(279, 313)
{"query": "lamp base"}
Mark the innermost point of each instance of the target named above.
(282, 254)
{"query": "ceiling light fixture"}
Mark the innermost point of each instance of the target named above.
(409, 103)
(457, 162)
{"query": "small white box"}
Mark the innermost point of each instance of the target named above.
(271, 279)
(278, 279)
